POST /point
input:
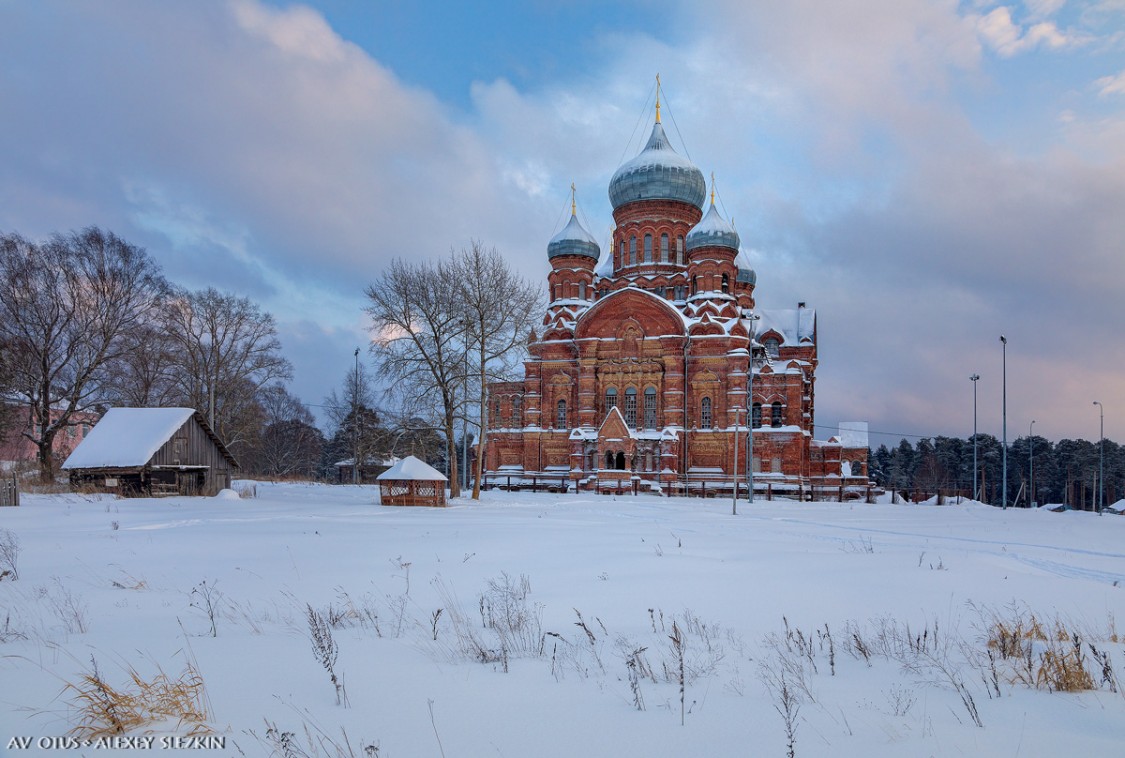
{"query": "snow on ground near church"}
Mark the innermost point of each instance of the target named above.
(908, 594)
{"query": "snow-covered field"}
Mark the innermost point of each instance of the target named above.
(545, 601)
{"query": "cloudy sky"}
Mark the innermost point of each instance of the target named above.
(927, 174)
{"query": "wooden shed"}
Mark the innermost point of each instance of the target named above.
(143, 452)
(412, 482)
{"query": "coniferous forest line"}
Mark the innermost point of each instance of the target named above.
(1064, 472)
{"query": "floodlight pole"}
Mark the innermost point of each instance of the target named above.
(1101, 456)
(753, 319)
(734, 493)
(355, 422)
(1004, 416)
(974, 379)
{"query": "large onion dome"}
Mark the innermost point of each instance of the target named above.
(573, 240)
(658, 173)
(712, 231)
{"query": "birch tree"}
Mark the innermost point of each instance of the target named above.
(418, 343)
(498, 309)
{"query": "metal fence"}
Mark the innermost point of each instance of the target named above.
(9, 492)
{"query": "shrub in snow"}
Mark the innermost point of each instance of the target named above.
(9, 555)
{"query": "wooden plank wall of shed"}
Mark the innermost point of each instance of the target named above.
(190, 446)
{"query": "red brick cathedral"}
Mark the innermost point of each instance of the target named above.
(642, 371)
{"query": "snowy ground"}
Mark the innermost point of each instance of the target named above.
(884, 579)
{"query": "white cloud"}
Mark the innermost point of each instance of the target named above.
(1008, 39)
(1111, 85)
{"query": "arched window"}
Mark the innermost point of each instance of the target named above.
(648, 248)
(663, 248)
(726, 283)
(558, 291)
(631, 407)
(582, 290)
(648, 460)
(517, 411)
(705, 413)
(632, 251)
(773, 347)
(775, 412)
(609, 459)
(680, 250)
(610, 399)
(495, 412)
(620, 460)
(560, 416)
(695, 284)
(650, 407)
(756, 415)
(621, 258)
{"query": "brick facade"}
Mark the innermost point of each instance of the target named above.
(640, 370)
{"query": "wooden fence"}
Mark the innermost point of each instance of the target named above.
(9, 492)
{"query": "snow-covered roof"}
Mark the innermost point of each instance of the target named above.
(127, 437)
(795, 325)
(853, 433)
(413, 469)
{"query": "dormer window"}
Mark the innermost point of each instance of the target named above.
(773, 347)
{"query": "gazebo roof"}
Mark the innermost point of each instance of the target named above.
(412, 469)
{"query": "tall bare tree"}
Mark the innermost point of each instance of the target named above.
(418, 342)
(288, 444)
(358, 431)
(67, 308)
(498, 308)
(226, 350)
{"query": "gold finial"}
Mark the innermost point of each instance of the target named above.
(573, 204)
(658, 98)
(712, 188)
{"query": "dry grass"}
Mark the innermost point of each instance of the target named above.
(1041, 654)
(160, 703)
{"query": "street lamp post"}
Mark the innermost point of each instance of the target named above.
(355, 422)
(1101, 455)
(1031, 464)
(734, 494)
(753, 318)
(974, 379)
(1004, 415)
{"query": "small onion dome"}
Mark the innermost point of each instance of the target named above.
(573, 240)
(746, 273)
(712, 231)
(657, 173)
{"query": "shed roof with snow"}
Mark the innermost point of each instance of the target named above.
(152, 451)
(414, 470)
(412, 482)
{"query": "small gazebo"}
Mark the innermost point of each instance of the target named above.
(412, 482)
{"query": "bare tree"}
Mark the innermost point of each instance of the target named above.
(358, 431)
(498, 310)
(67, 307)
(226, 350)
(145, 376)
(418, 342)
(288, 444)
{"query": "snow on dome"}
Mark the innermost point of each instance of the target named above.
(746, 273)
(657, 173)
(412, 469)
(126, 437)
(712, 231)
(573, 240)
